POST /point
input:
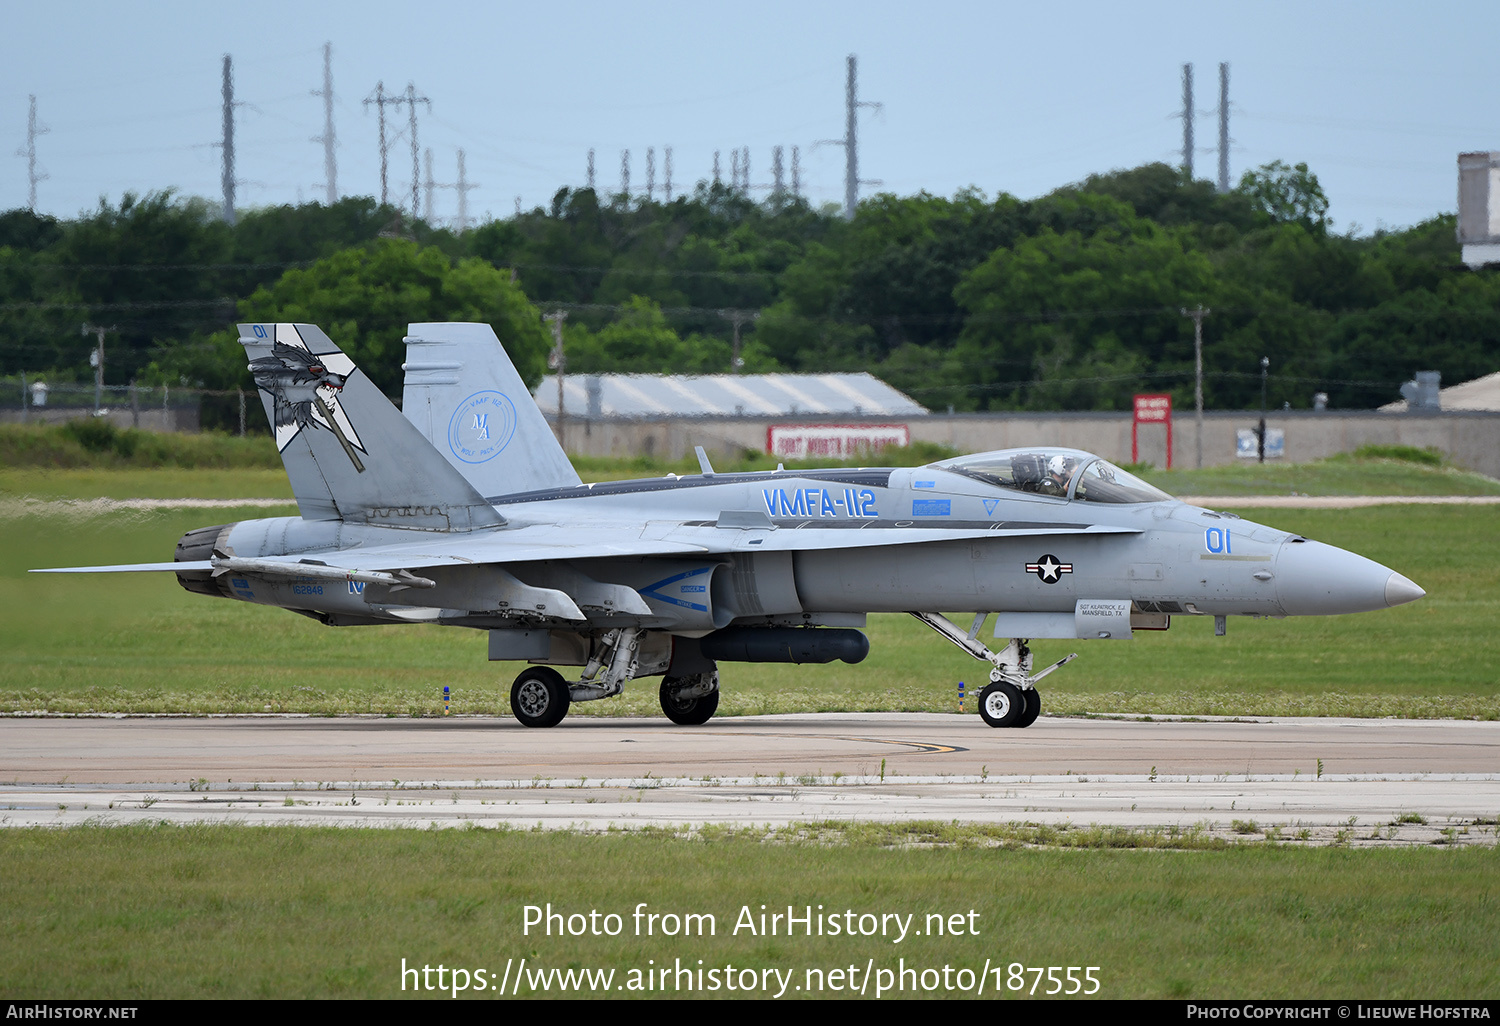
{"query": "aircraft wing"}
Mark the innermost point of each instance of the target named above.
(557, 541)
(696, 538)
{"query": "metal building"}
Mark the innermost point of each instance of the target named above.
(604, 396)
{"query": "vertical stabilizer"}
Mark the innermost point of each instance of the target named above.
(464, 394)
(349, 453)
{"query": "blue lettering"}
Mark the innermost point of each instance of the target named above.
(1216, 539)
(260, 331)
(826, 509)
(770, 497)
(867, 503)
(799, 504)
(356, 587)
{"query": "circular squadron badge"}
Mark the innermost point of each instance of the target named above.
(481, 427)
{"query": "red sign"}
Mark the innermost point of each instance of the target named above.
(833, 441)
(1151, 409)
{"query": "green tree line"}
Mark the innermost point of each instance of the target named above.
(1072, 300)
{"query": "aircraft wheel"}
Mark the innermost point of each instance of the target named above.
(689, 712)
(1001, 704)
(539, 697)
(1032, 709)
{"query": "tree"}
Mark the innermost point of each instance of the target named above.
(641, 342)
(1287, 194)
(365, 297)
(1061, 308)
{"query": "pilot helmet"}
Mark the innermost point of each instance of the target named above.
(1057, 466)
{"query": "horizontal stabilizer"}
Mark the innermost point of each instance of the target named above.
(129, 568)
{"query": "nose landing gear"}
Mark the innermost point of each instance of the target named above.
(1011, 699)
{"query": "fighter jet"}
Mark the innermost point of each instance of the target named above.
(462, 509)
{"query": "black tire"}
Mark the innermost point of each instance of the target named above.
(1033, 707)
(539, 697)
(1001, 704)
(687, 712)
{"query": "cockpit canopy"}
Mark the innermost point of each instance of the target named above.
(1062, 473)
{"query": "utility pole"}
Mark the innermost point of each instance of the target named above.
(329, 141)
(380, 99)
(558, 362)
(738, 318)
(96, 359)
(228, 144)
(1265, 365)
(850, 142)
(667, 171)
(1187, 121)
(1197, 316)
(1223, 126)
(462, 188)
(32, 176)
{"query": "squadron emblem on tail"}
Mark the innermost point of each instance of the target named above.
(305, 391)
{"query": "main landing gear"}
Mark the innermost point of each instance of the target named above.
(540, 697)
(691, 699)
(1011, 699)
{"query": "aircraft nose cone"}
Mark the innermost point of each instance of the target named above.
(1314, 579)
(1398, 590)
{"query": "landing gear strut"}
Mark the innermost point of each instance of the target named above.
(1011, 699)
(540, 696)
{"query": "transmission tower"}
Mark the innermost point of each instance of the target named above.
(1187, 121)
(650, 172)
(381, 99)
(32, 175)
(462, 188)
(1223, 127)
(667, 171)
(776, 180)
(717, 179)
(411, 99)
(328, 139)
(228, 144)
(796, 173)
(850, 141)
(591, 167)
(625, 176)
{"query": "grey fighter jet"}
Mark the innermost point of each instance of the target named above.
(462, 509)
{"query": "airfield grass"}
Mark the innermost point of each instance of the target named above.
(139, 643)
(247, 912)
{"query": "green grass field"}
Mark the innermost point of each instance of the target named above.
(247, 912)
(161, 912)
(139, 643)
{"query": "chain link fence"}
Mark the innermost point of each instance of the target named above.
(148, 407)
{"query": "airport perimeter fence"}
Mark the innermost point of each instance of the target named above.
(148, 407)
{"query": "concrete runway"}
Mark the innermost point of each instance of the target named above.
(764, 771)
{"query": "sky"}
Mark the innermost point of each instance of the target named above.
(1378, 98)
